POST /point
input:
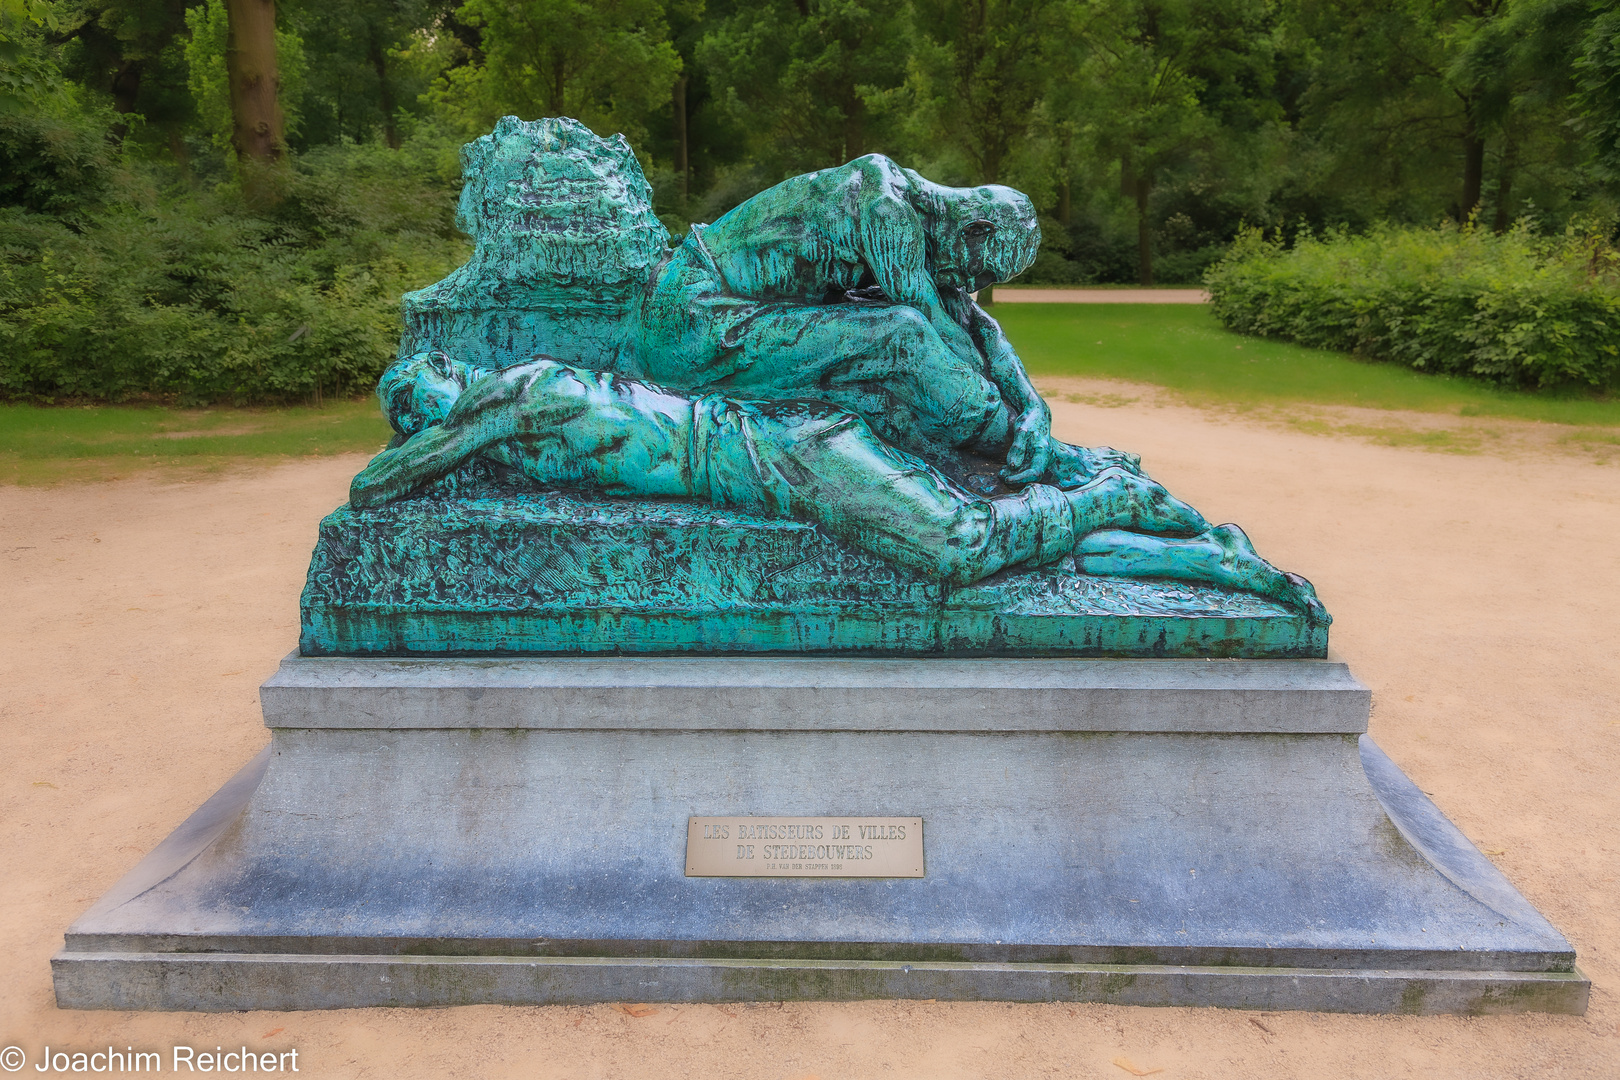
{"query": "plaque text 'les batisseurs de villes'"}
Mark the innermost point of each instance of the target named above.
(804, 847)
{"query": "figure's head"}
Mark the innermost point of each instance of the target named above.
(418, 391)
(983, 235)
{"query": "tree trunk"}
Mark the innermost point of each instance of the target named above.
(559, 85)
(1066, 184)
(126, 92)
(990, 159)
(182, 156)
(1504, 185)
(385, 86)
(1144, 232)
(683, 163)
(250, 64)
(854, 130)
(1473, 166)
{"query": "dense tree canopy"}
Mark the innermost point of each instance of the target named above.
(1149, 131)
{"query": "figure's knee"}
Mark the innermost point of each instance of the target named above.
(965, 546)
(905, 329)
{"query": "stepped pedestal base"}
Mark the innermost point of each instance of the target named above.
(438, 832)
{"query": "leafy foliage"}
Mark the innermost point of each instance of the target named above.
(1149, 133)
(606, 63)
(1511, 309)
(190, 297)
(808, 83)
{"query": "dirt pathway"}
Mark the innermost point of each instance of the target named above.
(1479, 596)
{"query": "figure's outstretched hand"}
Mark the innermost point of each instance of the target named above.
(1030, 452)
(1119, 499)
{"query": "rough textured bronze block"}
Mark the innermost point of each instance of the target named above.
(556, 574)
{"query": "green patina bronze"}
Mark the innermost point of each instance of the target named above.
(794, 432)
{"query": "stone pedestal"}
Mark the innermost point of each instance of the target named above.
(457, 831)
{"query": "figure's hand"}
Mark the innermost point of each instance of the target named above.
(1031, 449)
(1117, 499)
(1073, 466)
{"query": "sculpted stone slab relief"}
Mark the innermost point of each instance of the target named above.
(850, 847)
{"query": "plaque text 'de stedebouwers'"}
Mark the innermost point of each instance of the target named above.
(866, 847)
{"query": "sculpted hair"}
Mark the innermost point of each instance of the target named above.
(397, 390)
(1017, 237)
(1018, 231)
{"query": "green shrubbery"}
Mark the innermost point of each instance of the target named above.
(184, 294)
(1515, 309)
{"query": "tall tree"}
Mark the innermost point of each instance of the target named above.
(801, 76)
(364, 65)
(128, 51)
(1525, 66)
(1588, 32)
(607, 63)
(258, 126)
(1412, 97)
(1156, 84)
(979, 68)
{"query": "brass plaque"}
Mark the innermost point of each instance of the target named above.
(804, 847)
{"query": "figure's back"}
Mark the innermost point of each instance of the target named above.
(800, 240)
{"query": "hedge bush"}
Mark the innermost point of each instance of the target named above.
(188, 296)
(1515, 309)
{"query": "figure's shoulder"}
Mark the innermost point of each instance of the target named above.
(827, 199)
(880, 172)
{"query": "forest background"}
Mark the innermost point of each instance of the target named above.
(225, 200)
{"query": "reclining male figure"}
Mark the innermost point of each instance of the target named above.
(570, 427)
(852, 285)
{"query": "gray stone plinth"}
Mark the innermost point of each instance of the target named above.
(443, 832)
(1278, 696)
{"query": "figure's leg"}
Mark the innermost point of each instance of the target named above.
(808, 461)
(814, 462)
(1218, 556)
(1116, 498)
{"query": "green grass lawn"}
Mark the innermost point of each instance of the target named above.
(1182, 347)
(40, 444)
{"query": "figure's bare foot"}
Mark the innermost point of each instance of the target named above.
(1071, 466)
(1220, 556)
(1304, 596)
(1249, 571)
(1118, 499)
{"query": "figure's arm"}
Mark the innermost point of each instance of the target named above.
(1030, 452)
(494, 408)
(894, 246)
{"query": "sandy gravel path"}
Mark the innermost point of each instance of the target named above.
(1479, 596)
